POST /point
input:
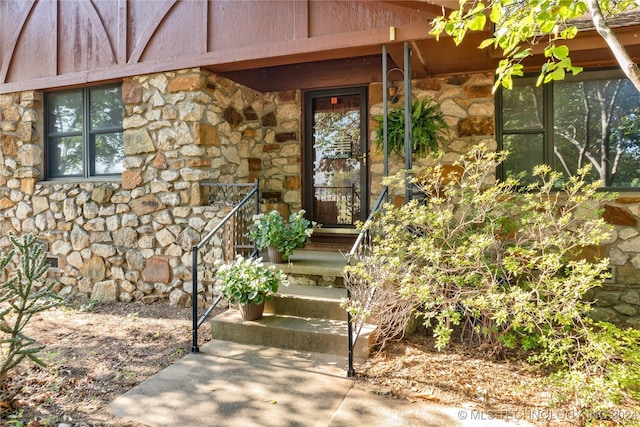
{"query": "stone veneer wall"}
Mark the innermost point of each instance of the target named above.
(468, 107)
(131, 239)
(619, 299)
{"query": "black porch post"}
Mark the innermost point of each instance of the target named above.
(408, 149)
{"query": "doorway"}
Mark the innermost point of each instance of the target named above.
(336, 151)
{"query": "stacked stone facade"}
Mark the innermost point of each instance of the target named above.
(468, 107)
(130, 238)
(619, 299)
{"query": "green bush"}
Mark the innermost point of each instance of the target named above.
(503, 262)
(495, 256)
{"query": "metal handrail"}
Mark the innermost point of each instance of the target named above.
(236, 212)
(362, 244)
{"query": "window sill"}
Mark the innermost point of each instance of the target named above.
(75, 180)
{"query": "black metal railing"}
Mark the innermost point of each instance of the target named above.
(358, 290)
(336, 204)
(222, 244)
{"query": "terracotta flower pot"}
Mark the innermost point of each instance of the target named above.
(274, 256)
(251, 311)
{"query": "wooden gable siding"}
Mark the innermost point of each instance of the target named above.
(46, 43)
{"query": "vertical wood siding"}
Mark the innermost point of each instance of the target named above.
(68, 42)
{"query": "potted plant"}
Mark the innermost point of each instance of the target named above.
(427, 128)
(248, 283)
(279, 237)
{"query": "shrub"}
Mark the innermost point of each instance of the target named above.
(506, 263)
(497, 258)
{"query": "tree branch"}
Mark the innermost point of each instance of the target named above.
(596, 164)
(629, 68)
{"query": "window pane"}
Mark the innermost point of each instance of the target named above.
(522, 106)
(109, 153)
(66, 156)
(106, 107)
(596, 123)
(66, 112)
(526, 151)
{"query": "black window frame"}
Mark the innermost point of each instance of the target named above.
(547, 130)
(87, 134)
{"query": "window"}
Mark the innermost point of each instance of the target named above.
(84, 132)
(592, 118)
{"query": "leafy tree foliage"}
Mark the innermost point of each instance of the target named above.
(519, 25)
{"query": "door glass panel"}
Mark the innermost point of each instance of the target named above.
(337, 159)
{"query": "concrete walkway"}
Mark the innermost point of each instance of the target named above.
(230, 384)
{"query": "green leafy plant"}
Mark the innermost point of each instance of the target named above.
(15, 419)
(498, 258)
(503, 264)
(22, 296)
(427, 129)
(247, 281)
(270, 229)
(600, 381)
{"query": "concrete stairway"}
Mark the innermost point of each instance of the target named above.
(304, 317)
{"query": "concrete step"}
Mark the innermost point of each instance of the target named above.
(290, 332)
(313, 268)
(302, 316)
(308, 301)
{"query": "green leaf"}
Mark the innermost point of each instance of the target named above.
(546, 23)
(557, 74)
(477, 24)
(561, 52)
(449, 27)
(575, 70)
(496, 13)
(580, 9)
(522, 54)
(486, 43)
(569, 33)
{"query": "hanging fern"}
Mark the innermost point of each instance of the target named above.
(427, 127)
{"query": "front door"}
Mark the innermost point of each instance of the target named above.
(336, 156)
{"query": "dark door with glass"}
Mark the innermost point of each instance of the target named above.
(336, 156)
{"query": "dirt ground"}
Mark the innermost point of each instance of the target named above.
(96, 352)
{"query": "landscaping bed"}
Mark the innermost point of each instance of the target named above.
(98, 351)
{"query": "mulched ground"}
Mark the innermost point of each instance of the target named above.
(96, 352)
